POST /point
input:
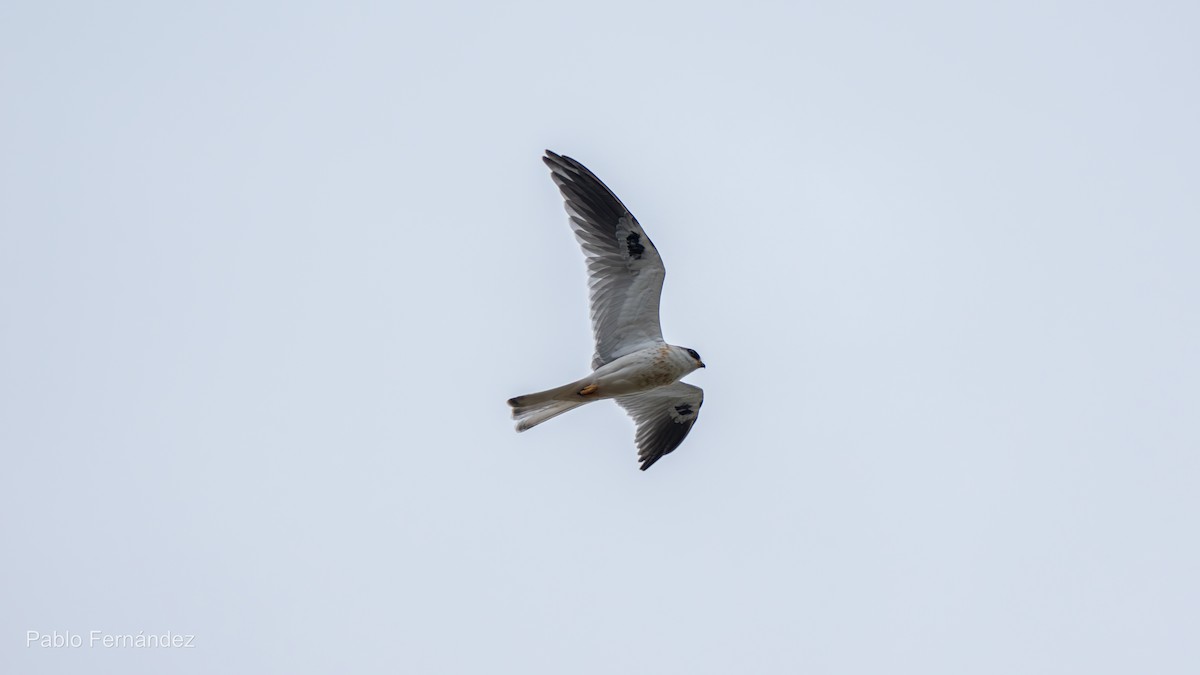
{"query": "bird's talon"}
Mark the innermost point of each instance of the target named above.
(588, 390)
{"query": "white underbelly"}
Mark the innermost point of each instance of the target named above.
(640, 371)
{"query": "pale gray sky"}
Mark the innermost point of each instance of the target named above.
(268, 272)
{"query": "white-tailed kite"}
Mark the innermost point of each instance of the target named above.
(632, 364)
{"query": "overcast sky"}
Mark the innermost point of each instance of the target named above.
(268, 272)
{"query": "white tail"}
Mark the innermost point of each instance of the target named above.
(531, 410)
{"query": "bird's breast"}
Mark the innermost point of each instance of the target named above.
(646, 369)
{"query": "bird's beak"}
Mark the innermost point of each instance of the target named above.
(701, 364)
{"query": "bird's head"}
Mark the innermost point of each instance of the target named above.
(695, 356)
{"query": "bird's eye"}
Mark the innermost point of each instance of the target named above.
(694, 354)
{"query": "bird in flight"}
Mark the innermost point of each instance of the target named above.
(632, 364)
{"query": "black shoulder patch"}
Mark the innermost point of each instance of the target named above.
(634, 242)
(684, 410)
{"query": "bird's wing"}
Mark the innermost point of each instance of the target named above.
(625, 272)
(664, 416)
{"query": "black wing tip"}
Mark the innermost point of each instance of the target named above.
(560, 163)
(580, 186)
(667, 444)
(565, 163)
